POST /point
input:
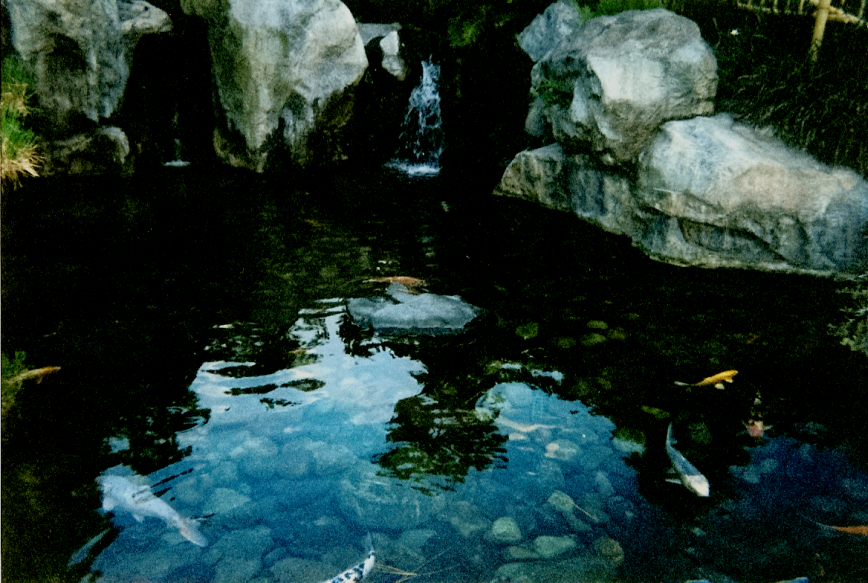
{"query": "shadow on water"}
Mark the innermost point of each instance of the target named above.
(200, 321)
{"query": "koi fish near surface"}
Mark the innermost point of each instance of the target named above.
(119, 492)
(360, 571)
(716, 380)
(404, 280)
(688, 475)
(858, 530)
(37, 373)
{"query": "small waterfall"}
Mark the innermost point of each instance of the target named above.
(421, 141)
(177, 162)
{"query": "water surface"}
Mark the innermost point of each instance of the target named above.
(200, 321)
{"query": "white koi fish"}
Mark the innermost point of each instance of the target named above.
(119, 492)
(688, 475)
(360, 571)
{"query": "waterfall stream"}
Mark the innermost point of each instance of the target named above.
(421, 140)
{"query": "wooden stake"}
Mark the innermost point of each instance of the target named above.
(819, 28)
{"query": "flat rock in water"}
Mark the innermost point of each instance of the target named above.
(403, 312)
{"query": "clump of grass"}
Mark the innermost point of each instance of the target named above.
(18, 151)
(617, 6)
(820, 107)
(11, 368)
(608, 7)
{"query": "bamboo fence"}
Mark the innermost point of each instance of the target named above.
(847, 11)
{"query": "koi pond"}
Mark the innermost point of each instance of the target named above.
(216, 383)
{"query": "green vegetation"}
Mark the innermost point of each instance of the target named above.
(11, 368)
(604, 7)
(553, 94)
(18, 154)
(854, 331)
(819, 107)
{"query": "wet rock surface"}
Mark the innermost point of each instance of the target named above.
(404, 312)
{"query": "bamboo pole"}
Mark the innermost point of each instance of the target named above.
(819, 28)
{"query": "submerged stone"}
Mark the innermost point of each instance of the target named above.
(552, 546)
(505, 530)
(373, 501)
(405, 313)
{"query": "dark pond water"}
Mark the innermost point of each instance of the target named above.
(200, 320)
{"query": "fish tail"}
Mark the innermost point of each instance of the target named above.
(190, 531)
(680, 384)
(369, 541)
(669, 435)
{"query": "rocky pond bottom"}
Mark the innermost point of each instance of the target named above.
(505, 422)
(289, 473)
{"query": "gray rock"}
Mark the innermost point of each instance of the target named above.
(415, 539)
(295, 459)
(373, 501)
(330, 458)
(292, 570)
(553, 546)
(286, 64)
(505, 530)
(409, 313)
(390, 45)
(712, 193)
(716, 193)
(562, 449)
(236, 569)
(609, 549)
(627, 74)
(467, 519)
(603, 484)
(369, 31)
(105, 150)
(258, 456)
(559, 21)
(224, 500)
(584, 568)
(572, 183)
(81, 51)
(249, 543)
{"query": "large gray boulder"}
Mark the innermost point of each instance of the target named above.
(80, 52)
(611, 84)
(560, 21)
(284, 73)
(574, 183)
(710, 192)
(719, 193)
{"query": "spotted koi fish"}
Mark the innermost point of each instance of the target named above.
(360, 571)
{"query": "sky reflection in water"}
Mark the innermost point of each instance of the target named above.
(293, 466)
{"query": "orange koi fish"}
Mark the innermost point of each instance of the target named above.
(863, 530)
(716, 380)
(402, 279)
(37, 373)
(859, 530)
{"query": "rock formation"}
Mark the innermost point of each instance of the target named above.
(284, 74)
(388, 42)
(80, 52)
(625, 99)
(621, 77)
